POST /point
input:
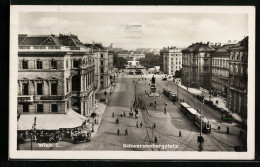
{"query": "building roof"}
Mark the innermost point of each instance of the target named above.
(199, 47)
(96, 46)
(243, 44)
(47, 40)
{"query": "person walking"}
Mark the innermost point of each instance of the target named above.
(126, 132)
(227, 130)
(141, 125)
(155, 139)
(118, 132)
(180, 134)
(154, 125)
(113, 114)
(137, 124)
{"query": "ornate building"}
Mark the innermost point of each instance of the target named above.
(196, 65)
(220, 70)
(172, 60)
(55, 75)
(238, 75)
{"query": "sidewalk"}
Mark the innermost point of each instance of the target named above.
(100, 109)
(221, 102)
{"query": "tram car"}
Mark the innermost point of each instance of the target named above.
(172, 96)
(196, 117)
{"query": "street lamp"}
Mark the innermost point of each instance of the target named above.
(165, 104)
(105, 93)
(33, 128)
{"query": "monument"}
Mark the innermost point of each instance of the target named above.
(153, 87)
(153, 92)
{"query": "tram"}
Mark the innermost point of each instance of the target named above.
(196, 117)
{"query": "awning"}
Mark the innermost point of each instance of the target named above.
(50, 121)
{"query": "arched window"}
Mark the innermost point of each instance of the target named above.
(75, 83)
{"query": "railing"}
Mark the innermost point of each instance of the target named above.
(51, 97)
(53, 48)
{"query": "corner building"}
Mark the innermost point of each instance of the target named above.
(172, 60)
(55, 75)
(196, 64)
(238, 70)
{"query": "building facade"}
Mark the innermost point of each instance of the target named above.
(220, 71)
(238, 77)
(102, 66)
(196, 65)
(172, 60)
(55, 75)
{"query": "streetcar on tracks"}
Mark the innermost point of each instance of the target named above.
(196, 117)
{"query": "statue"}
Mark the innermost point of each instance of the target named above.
(153, 80)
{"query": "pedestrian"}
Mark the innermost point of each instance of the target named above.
(113, 114)
(218, 126)
(118, 132)
(137, 124)
(180, 134)
(126, 132)
(154, 125)
(155, 139)
(240, 133)
(227, 130)
(141, 124)
(155, 104)
(95, 121)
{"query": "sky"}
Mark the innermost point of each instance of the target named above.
(138, 30)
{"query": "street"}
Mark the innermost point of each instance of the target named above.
(168, 126)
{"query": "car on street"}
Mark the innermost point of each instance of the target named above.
(164, 79)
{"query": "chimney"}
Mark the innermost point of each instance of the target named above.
(208, 44)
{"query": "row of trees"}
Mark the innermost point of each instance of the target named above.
(119, 62)
(152, 60)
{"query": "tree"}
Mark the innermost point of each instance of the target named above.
(119, 62)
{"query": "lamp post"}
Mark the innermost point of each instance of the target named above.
(165, 104)
(33, 128)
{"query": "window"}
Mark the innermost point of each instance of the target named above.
(242, 70)
(102, 70)
(67, 64)
(236, 69)
(39, 88)
(39, 64)
(25, 88)
(101, 82)
(101, 63)
(53, 64)
(53, 88)
(54, 108)
(39, 107)
(102, 55)
(75, 63)
(101, 77)
(24, 64)
(25, 107)
(67, 84)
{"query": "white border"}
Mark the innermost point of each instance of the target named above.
(169, 155)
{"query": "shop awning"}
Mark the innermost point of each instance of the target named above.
(71, 119)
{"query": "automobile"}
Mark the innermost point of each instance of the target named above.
(80, 137)
(164, 79)
(102, 100)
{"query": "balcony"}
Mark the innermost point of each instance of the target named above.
(51, 97)
(25, 98)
